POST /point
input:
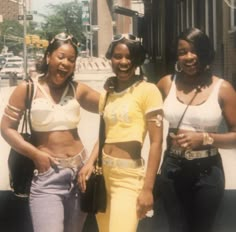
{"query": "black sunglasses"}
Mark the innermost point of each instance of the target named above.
(64, 37)
(119, 37)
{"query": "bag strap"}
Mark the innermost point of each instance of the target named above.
(102, 135)
(28, 101)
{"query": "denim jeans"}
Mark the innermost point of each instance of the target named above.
(54, 203)
(192, 192)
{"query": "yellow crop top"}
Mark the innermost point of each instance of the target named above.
(125, 112)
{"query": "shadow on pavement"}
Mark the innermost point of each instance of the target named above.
(14, 216)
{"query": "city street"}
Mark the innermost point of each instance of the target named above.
(88, 130)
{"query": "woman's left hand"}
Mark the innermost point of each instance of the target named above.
(144, 203)
(84, 175)
(188, 140)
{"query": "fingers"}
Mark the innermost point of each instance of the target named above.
(142, 212)
(181, 140)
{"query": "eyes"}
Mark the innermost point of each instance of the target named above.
(183, 52)
(119, 56)
(62, 56)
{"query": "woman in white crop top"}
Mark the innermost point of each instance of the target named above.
(58, 152)
(195, 103)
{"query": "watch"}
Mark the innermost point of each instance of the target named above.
(207, 139)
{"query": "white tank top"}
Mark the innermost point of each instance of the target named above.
(204, 117)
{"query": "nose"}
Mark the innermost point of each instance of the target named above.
(190, 55)
(124, 60)
(65, 61)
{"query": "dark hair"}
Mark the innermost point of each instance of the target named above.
(202, 45)
(137, 52)
(54, 45)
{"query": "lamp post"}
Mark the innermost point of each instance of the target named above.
(4, 37)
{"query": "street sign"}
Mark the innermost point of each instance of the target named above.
(85, 13)
(28, 17)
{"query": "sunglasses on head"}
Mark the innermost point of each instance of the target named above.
(119, 37)
(64, 37)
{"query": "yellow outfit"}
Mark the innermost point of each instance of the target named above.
(125, 118)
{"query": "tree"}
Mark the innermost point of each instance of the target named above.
(15, 29)
(65, 17)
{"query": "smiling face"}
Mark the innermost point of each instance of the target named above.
(61, 63)
(187, 58)
(121, 63)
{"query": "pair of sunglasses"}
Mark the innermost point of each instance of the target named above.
(64, 37)
(119, 37)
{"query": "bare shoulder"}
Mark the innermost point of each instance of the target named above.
(17, 98)
(227, 90)
(164, 84)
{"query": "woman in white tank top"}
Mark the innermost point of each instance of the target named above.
(195, 103)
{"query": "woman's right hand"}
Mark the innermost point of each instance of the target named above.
(43, 161)
(83, 176)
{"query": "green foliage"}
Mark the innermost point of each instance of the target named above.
(11, 28)
(64, 17)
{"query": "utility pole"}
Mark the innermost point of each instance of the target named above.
(24, 43)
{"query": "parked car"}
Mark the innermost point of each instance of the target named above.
(2, 61)
(15, 59)
(10, 68)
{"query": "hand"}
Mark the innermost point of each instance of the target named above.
(83, 175)
(110, 83)
(44, 161)
(144, 203)
(188, 140)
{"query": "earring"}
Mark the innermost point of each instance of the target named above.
(177, 68)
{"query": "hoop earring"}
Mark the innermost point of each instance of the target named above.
(177, 68)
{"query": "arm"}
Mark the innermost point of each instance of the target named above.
(155, 131)
(9, 130)
(87, 97)
(226, 140)
(227, 98)
(87, 169)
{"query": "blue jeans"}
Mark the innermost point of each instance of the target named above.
(54, 204)
(192, 191)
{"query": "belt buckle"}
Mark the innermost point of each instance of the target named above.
(189, 155)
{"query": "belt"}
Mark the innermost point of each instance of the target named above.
(74, 161)
(122, 163)
(190, 155)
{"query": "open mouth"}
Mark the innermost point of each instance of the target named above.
(62, 73)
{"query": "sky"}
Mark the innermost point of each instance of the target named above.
(41, 6)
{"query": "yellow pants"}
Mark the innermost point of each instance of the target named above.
(123, 187)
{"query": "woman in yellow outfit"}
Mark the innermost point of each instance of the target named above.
(133, 108)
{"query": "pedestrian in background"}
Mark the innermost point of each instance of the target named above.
(132, 109)
(57, 152)
(195, 103)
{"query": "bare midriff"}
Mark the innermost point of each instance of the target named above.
(60, 144)
(124, 150)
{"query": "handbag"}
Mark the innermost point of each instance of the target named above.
(94, 199)
(20, 167)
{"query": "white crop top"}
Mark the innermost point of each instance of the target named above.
(204, 117)
(46, 115)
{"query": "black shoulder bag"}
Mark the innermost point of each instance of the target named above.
(94, 199)
(21, 168)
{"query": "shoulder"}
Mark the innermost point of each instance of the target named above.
(164, 84)
(226, 89)
(18, 96)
